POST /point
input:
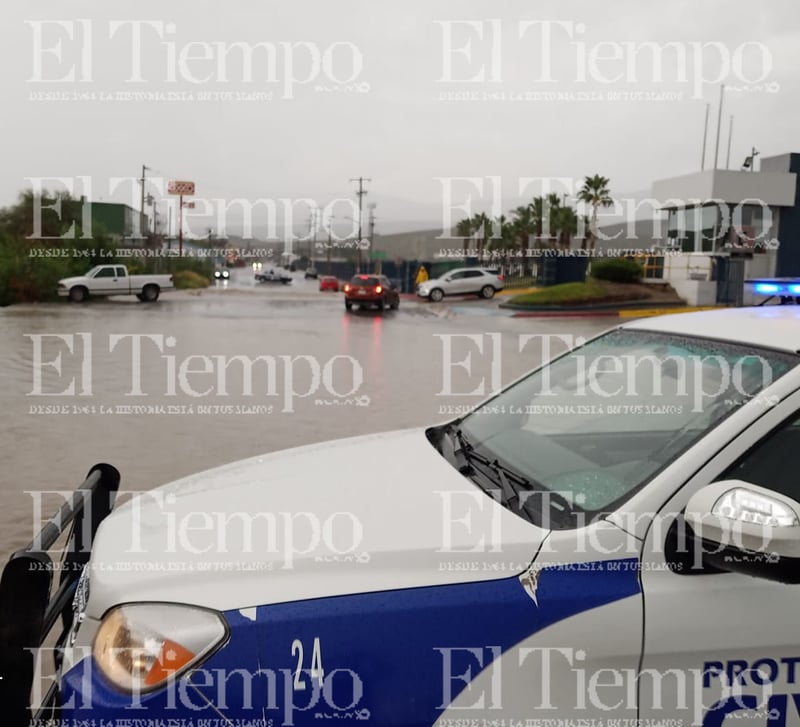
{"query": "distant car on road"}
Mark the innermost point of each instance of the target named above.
(483, 282)
(329, 282)
(270, 275)
(311, 272)
(103, 280)
(222, 274)
(371, 290)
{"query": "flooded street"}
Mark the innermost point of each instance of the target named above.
(232, 373)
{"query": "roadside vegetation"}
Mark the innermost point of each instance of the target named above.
(36, 253)
(546, 222)
(591, 292)
(617, 280)
(189, 280)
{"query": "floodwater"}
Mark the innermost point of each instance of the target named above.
(75, 390)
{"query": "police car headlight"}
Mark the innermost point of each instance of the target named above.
(139, 647)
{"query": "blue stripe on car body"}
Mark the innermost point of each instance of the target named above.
(391, 642)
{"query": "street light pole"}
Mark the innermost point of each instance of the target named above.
(180, 226)
(719, 122)
(705, 138)
(730, 136)
(330, 241)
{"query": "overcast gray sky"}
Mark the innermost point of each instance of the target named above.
(401, 120)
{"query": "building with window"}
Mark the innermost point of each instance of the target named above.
(724, 211)
(120, 221)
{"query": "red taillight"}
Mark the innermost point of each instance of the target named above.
(378, 289)
(500, 277)
(347, 288)
(364, 277)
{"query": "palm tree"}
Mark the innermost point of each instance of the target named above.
(506, 240)
(565, 224)
(596, 193)
(465, 228)
(482, 225)
(523, 227)
(544, 211)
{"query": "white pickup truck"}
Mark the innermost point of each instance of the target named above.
(104, 280)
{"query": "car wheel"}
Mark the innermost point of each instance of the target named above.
(396, 304)
(140, 297)
(150, 293)
(381, 304)
(487, 292)
(348, 305)
(78, 294)
(436, 295)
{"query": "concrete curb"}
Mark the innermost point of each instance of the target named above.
(610, 312)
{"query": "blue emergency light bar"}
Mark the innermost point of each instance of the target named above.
(783, 287)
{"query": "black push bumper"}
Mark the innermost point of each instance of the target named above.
(30, 606)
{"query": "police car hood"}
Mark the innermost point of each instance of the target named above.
(372, 513)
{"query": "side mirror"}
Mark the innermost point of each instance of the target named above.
(744, 528)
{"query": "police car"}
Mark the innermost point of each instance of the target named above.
(615, 536)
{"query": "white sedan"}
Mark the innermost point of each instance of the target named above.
(462, 281)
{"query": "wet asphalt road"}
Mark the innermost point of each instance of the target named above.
(187, 401)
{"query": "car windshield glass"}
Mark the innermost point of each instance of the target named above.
(597, 423)
(93, 271)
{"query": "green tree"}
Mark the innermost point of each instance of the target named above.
(565, 225)
(504, 239)
(523, 226)
(466, 229)
(596, 193)
(482, 225)
(30, 230)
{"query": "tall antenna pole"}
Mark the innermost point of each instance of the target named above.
(705, 136)
(719, 122)
(730, 136)
(361, 192)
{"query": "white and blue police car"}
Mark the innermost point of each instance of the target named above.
(615, 536)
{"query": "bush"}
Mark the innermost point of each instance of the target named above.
(617, 270)
(189, 280)
(30, 271)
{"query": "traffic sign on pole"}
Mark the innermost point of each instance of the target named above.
(180, 187)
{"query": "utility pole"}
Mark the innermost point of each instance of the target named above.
(361, 192)
(371, 225)
(330, 241)
(313, 242)
(141, 207)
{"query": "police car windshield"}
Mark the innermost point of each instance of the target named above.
(599, 422)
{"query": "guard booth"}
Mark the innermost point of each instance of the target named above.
(566, 269)
(729, 274)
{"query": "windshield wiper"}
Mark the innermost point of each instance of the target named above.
(509, 491)
(470, 463)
